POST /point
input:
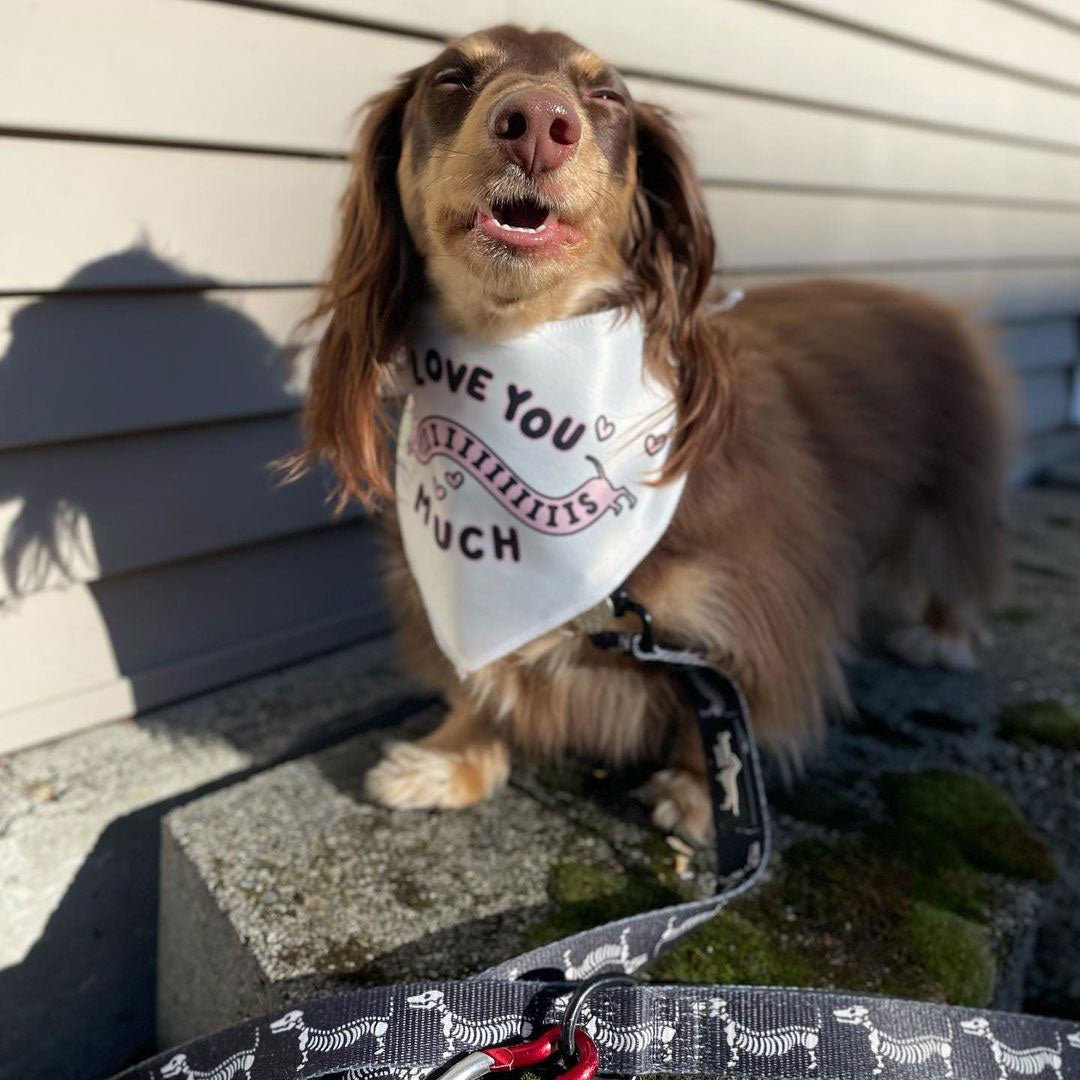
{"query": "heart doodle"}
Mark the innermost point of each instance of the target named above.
(455, 478)
(604, 428)
(440, 491)
(654, 444)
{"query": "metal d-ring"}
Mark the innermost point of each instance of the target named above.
(574, 1006)
(621, 604)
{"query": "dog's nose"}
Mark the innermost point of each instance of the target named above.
(537, 129)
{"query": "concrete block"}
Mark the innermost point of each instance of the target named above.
(79, 839)
(291, 885)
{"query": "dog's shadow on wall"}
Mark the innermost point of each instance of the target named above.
(100, 363)
(91, 362)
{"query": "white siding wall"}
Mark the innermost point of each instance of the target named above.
(168, 181)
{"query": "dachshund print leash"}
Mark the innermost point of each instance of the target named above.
(427, 1030)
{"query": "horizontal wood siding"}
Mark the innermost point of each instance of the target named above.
(148, 499)
(221, 217)
(115, 363)
(138, 640)
(983, 32)
(167, 201)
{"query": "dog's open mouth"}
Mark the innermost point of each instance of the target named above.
(521, 215)
(522, 223)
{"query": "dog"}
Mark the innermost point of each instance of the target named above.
(838, 440)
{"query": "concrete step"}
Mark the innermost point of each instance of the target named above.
(79, 847)
(899, 870)
(291, 885)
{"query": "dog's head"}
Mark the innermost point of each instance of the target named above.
(515, 180)
(516, 174)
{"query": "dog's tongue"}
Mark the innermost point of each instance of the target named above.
(520, 214)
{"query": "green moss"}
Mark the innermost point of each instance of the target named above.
(895, 909)
(576, 882)
(584, 896)
(1048, 722)
(943, 820)
(954, 952)
(352, 956)
(840, 913)
(1017, 614)
(658, 858)
(731, 949)
(842, 906)
(820, 803)
(959, 889)
(843, 884)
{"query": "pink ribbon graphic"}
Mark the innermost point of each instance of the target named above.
(556, 515)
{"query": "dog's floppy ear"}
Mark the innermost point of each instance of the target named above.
(375, 278)
(671, 264)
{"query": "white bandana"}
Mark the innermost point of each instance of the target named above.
(521, 477)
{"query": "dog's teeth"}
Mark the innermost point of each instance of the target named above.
(521, 228)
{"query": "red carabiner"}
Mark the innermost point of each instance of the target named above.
(544, 1046)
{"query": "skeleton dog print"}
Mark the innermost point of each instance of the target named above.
(524, 472)
(412, 1032)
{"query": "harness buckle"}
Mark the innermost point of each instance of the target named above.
(544, 1046)
(621, 604)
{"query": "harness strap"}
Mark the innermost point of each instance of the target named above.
(753, 1033)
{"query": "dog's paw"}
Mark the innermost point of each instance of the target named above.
(680, 803)
(922, 646)
(415, 777)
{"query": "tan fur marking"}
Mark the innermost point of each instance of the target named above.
(479, 49)
(587, 63)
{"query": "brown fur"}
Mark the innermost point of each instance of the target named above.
(832, 432)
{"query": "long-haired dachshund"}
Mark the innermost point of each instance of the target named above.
(832, 434)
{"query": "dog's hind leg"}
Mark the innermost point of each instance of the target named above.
(955, 529)
(957, 557)
(948, 636)
(458, 764)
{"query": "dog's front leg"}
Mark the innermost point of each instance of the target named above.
(461, 762)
